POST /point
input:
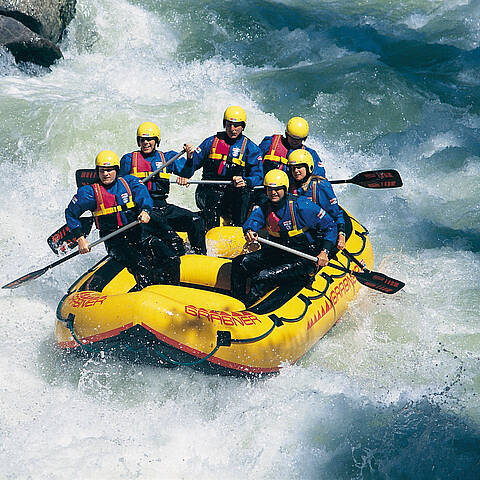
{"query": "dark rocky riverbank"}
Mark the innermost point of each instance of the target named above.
(30, 29)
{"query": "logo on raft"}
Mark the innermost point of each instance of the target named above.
(343, 287)
(223, 318)
(85, 300)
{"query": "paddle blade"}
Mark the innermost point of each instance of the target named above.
(378, 179)
(86, 176)
(379, 281)
(26, 278)
(63, 239)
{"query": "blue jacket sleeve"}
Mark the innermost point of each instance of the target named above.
(318, 168)
(265, 145)
(178, 165)
(253, 165)
(125, 165)
(255, 221)
(316, 217)
(140, 193)
(327, 199)
(198, 158)
(82, 201)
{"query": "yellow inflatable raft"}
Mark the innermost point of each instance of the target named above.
(199, 323)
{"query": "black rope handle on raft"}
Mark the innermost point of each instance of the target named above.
(186, 364)
(363, 236)
(69, 324)
(329, 281)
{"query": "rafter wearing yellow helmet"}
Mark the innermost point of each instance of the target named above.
(316, 188)
(276, 148)
(168, 218)
(289, 220)
(227, 155)
(116, 201)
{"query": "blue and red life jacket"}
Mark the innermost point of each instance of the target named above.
(108, 212)
(142, 168)
(278, 154)
(223, 162)
(285, 226)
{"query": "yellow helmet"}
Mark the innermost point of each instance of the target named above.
(276, 178)
(301, 157)
(107, 158)
(235, 114)
(297, 127)
(148, 130)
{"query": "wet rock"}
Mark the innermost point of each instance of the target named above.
(25, 45)
(44, 22)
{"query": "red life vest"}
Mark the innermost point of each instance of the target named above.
(107, 205)
(142, 168)
(272, 222)
(278, 152)
(219, 153)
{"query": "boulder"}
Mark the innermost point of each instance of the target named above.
(25, 45)
(47, 18)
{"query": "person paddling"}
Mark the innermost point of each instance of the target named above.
(142, 163)
(227, 155)
(116, 201)
(276, 148)
(316, 188)
(292, 221)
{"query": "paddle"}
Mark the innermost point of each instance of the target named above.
(37, 273)
(87, 176)
(368, 179)
(207, 182)
(63, 238)
(375, 280)
(374, 179)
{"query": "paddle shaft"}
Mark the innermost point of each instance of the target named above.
(354, 259)
(158, 170)
(287, 249)
(369, 179)
(206, 182)
(377, 281)
(301, 254)
(95, 243)
(37, 273)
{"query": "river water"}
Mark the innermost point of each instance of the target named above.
(392, 392)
